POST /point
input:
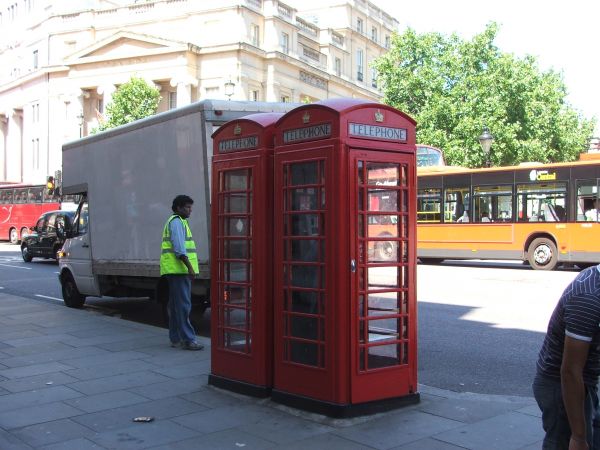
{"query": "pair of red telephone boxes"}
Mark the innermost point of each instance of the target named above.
(313, 257)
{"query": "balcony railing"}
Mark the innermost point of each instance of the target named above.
(312, 56)
(308, 27)
(337, 40)
(285, 11)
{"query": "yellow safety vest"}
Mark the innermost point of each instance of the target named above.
(170, 264)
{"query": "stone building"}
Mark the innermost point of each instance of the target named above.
(61, 60)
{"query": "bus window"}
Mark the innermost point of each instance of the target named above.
(587, 197)
(429, 203)
(35, 194)
(20, 195)
(6, 196)
(456, 208)
(492, 203)
(429, 156)
(538, 202)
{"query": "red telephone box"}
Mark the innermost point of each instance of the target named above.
(241, 255)
(345, 258)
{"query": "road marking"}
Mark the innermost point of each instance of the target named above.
(49, 298)
(16, 267)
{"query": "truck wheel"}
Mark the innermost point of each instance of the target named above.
(26, 254)
(542, 254)
(71, 295)
(13, 236)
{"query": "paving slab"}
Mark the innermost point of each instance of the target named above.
(52, 394)
(118, 382)
(504, 432)
(94, 356)
(392, 430)
(326, 441)
(108, 400)
(144, 435)
(74, 444)
(223, 418)
(60, 352)
(9, 441)
(37, 382)
(108, 369)
(122, 417)
(36, 414)
(34, 369)
(228, 439)
(183, 387)
(52, 432)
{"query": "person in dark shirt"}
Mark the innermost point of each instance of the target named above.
(565, 385)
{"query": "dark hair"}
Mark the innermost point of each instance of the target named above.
(181, 200)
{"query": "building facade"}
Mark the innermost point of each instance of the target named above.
(62, 60)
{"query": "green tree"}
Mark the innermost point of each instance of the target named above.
(133, 100)
(454, 87)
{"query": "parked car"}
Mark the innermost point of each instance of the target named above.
(43, 241)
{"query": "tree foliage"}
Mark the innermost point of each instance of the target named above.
(133, 100)
(454, 87)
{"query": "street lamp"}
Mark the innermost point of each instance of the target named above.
(486, 140)
(229, 89)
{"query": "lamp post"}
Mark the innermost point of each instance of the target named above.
(486, 140)
(229, 89)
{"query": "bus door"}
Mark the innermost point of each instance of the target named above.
(584, 245)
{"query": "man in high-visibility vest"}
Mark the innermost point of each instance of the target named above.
(179, 264)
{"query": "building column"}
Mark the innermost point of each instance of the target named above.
(106, 91)
(184, 86)
(14, 154)
(3, 144)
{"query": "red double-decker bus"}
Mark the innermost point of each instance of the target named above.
(20, 207)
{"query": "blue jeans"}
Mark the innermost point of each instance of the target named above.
(548, 394)
(180, 306)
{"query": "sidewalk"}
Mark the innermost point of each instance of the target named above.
(74, 380)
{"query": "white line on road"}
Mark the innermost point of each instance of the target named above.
(16, 267)
(50, 298)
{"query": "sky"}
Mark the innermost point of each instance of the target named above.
(564, 36)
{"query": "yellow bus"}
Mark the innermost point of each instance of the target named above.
(545, 214)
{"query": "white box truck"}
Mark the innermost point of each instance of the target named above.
(128, 177)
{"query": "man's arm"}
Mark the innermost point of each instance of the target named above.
(573, 389)
(178, 240)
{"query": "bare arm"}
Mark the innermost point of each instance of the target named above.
(573, 389)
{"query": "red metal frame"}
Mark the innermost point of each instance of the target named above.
(339, 133)
(241, 255)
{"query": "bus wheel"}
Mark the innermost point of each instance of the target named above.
(386, 250)
(24, 233)
(14, 236)
(542, 254)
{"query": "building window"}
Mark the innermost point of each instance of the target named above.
(374, 34)
(387, 42)
(35, 113)
(374, 77)
(285, 98)
(35, 59)
(254, 95)
(337, 66)
(359, 25)
(359, 65)
(212, 92)
(285, 43)
(172, 100)
(100, 106)
(35, 151)
(255, 35)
